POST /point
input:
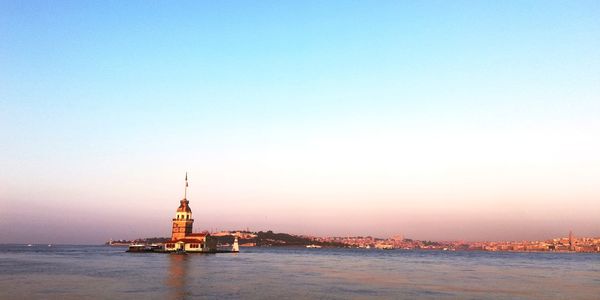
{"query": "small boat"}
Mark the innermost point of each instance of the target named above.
(49, 245)
(313, 246)
(136, 248)
(29, 245)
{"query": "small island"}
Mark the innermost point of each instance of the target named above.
(183, 240)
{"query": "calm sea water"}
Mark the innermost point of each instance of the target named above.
(75, 272)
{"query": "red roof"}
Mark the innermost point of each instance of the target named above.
(190, 241)
(184, 206)
(198, 234)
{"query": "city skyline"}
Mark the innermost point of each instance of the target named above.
(436, 120)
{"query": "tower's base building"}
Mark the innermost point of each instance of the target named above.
(198, 242)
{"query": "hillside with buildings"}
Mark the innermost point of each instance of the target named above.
(271, 239)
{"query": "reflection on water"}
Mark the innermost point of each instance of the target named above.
(76, 272)
(177, 276)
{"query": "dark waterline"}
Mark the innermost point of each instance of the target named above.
(74, 272)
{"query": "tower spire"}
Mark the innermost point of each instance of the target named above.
(186, 186)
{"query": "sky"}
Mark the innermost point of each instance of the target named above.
(437, 120)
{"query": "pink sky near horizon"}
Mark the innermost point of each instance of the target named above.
(324, 185)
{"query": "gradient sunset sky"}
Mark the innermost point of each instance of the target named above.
(442, 120)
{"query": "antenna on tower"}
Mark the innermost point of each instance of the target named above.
(186, 186)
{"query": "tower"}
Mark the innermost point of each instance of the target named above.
(183, 222)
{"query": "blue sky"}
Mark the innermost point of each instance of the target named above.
(290, 113)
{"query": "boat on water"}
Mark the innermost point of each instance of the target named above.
(313, 246)
(384, 247)
(144, 248)
(136, 248)
(29, 245)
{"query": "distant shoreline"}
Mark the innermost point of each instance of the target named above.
(284, 240)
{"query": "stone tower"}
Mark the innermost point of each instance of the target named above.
(183, 222)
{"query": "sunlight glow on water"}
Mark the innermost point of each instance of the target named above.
(73, 272)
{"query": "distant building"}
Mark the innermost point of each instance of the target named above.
(571, 245)
(182, 237)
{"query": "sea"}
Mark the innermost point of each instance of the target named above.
(103, 272)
